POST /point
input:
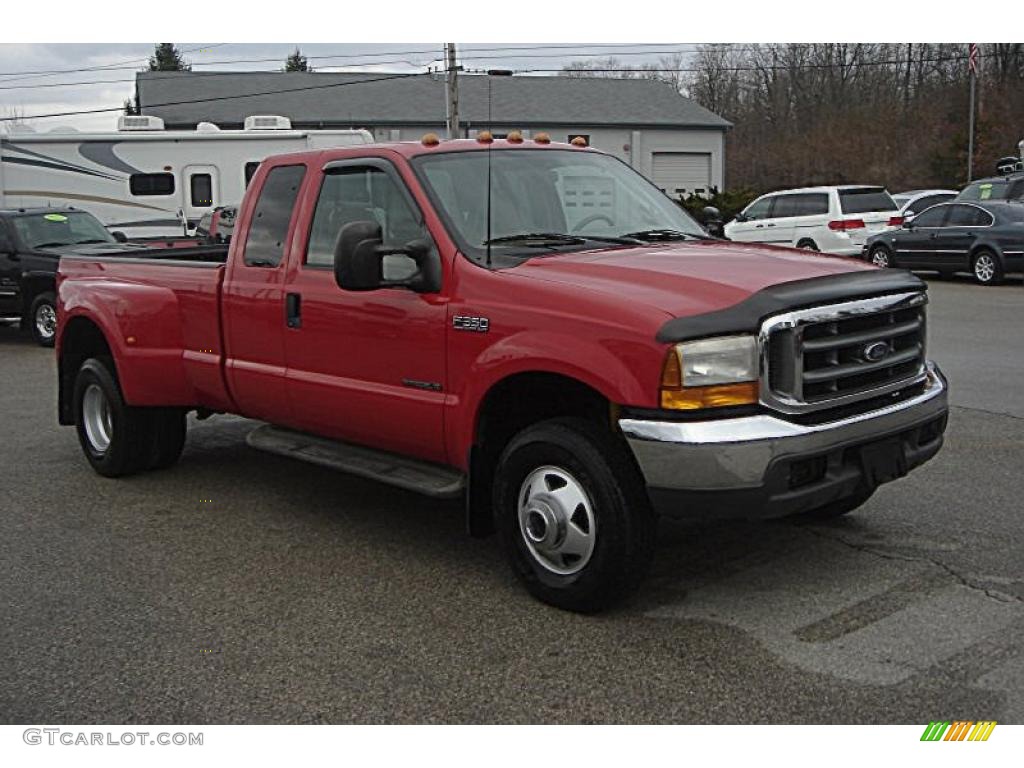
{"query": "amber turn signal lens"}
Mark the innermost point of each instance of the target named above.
(715, 396)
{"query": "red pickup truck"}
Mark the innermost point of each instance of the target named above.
(531, 326)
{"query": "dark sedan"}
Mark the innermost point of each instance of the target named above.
(986, 239)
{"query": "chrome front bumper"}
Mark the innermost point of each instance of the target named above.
(767, 466)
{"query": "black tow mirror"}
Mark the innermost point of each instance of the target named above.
(908, 223)
(359, 261)
(120, 236)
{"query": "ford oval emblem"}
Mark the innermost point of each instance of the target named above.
(875, 351)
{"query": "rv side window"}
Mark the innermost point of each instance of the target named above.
(264, 245)
(202, 190)
(250, 171)
(151, 183)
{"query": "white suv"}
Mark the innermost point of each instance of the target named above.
(830, 219)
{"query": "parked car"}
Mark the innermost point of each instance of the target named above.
(534, 327)
(1008, 187)
(913, 202)
(986, 239)
(829, 219)
(32, 242)
(217, 226)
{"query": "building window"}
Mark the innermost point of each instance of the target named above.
(201, 188)
(264, 245)
(250, 171)
(151, 184)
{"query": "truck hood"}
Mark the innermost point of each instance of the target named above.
(686, 278)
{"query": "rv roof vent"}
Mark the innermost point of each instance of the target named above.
(267, 123)
(205, 127)
(139, 123)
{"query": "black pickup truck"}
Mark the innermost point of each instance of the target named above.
(32, 242)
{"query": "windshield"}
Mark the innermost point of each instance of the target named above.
(985, 190)
(547, 200)
(49, 230)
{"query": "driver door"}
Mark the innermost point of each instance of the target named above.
(752, 228)
(365, 366)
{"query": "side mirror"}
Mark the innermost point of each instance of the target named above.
(907, 224)
(713, 221)
(359, 261)
(120, 236)
(741, 217)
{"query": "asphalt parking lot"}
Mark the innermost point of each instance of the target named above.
(240, 587)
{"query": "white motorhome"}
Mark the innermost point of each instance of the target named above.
(146, 181)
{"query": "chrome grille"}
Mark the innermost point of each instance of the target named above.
(828, 356)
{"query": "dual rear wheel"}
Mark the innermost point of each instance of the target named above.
(119, 439)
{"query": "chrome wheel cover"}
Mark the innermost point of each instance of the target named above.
(97, 418)
(556, 520)
(984, 268)
(46, 320)
(880, 258)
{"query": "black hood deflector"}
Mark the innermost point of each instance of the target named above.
(747, 315)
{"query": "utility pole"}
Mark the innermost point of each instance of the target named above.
(972, 69)
(452, 81)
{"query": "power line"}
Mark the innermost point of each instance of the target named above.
(13, 76)
(217, 98)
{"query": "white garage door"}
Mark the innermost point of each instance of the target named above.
(681, 172)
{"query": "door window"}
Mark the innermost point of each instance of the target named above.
(361, 194)
(759, 209)
(933, 217)
(967, 216)
(264, 246)
(201, 190)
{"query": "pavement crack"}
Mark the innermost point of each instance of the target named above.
(986, 411)
(965, 581)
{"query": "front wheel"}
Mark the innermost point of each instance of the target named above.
(43, 319)
(881, 257)
(987, 269)
(573, 515)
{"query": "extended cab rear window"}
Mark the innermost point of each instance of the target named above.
(865, 200)
(264, 246)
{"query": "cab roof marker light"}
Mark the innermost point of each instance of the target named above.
(430, 140)
(542, 138)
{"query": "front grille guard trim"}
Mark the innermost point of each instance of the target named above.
(794, 320)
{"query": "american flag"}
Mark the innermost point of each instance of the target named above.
(972, 59)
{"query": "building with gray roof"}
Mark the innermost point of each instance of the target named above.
(671, 139)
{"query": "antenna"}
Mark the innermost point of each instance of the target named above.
(490, 143)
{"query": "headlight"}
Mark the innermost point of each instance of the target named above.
(710, 373)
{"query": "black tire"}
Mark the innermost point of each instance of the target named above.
(130, 431)
(808, 245)
(624, 524)
(42, 319)
(881, 256)
(986, 267)
(170, 428)
(837, 509)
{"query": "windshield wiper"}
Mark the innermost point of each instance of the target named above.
(666, 234)
(537, 239)
(50, 245)
(90, 242)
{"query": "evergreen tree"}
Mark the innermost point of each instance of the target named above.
(167, 58)
(296, 63)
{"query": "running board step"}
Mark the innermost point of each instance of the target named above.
(410, 474)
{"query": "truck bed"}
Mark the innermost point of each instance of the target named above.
(160, 314)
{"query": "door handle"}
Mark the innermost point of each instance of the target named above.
(769, 225)
(293, 310)
(758, 226)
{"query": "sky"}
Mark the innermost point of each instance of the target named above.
(95, 76)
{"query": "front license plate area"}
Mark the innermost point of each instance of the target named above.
(883, 461)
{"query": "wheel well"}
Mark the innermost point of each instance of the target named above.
(510, 406)
(33, 286)
(81, 340)
(806, 241)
